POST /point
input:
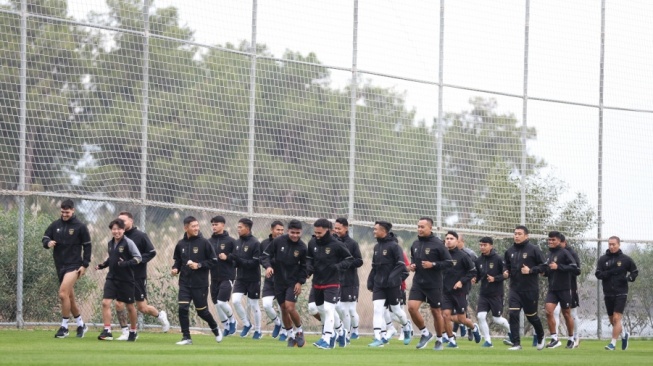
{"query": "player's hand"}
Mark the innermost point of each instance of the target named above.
(51, 243)
(222, 257)
(490, 278)
(269, 272)
(427, 265)
(506, 274)
(553, 265)
(174, 271)
(81, 271)
(412, 267)
(525, 269)
(298, 289)
(473, 280)
(458, 285)
(193, 265)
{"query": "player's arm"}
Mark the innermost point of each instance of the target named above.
(309, 257)
(85, 238)
(347, 259)
(177, 259)
(471, 270)
(356, 253)
(210, 258)
(48, 236)
(445, 259)
(135, 254)
(632, 271)
(147, 252)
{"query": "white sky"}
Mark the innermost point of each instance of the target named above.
(483, 48)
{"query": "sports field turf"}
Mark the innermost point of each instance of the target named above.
(30, 347)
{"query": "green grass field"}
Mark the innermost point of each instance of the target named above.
(31, 347)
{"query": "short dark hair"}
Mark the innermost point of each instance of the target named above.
(276, 223)
(189, 219)
(387, 226)
(294, 224)
(615, 238)
(342, 221)
(119, 222)
(126, 213)
(218, 218)
(427, 219)
(486, 239)
(247, 222)
(323, 223)
(556, 234)
(453, 233)
(523, 228)
(67, 204)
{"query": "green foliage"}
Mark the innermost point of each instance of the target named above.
(639, 312)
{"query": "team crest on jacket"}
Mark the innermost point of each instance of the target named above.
(327, 250)
(196, 250)
(619, 264)
(121, 249)
(427, 251)
(296, 253)
(245, 248)
(491, 265)
(71, 231)
(524, 255)
(454, 262)
(222, 246)
(555, 259)
(385, 251)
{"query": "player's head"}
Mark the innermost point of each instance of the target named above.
(555, 239)
(217, 224)
(424, 227)
(486, 244)
(191, 226)
(381, 229)
(321, 227)
(614, 243)
(276, 228)
(67, 209)
(520, 234)
(294, 230)
(244, 226)
(128, 218)
(451, 240)
(341, 227)
(117, 227)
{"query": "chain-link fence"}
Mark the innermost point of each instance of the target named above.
(479, 114)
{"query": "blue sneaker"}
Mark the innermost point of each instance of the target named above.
(257, 335)
(452, 345)
(342, 339)
(283, 337)
(438, 346)
(232, 328)
(535, 341)
(487, 345)
(508, 341)
(624, 341)
(424, 340)
(276, 330)
(322, 344)
(463, 331)
(609, 347)
(385, 340)
(445, 340)
(354, 336)
(332, 342)
(406, 337)
(377, 343)
(477, 334)
(245, 330)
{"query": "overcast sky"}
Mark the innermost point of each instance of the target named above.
(484, 49)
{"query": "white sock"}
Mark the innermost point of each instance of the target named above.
(399, 312)
(425, 331)
(79, 321)
(485, 328)
(574, 314)
(64, 322)
(253, 306)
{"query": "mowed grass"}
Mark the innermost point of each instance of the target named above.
(32, 347)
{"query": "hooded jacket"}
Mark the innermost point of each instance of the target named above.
(287, 259)
(559, 279)
(145, 247)
(246, 257)
(124, 257)
(325, 258)
(198, 250)
(515, 258)
(224, 269)
(349, 276)
(577, 272)
(615, 270)
(492, 265)
(463, 270)
(429, 249)
(73, 247)
(388, 266)
(264, 245)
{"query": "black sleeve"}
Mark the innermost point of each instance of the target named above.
(370, 277)
(85, 239)
(540, 262)
(347, 258)
(252, 262)
(445, 259)
(268, 255)
(303, 274)
(309, 257)
(358, 258)
(210, 258)
(399, 269)
(177, 258)
(147, 251)
(499, 277)
(471, 270)
(48, 235)
(571, 264)
(600, 270)
(632, 268)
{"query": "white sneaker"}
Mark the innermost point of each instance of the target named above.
(390, 332)
(185, 342)
(577, 342)
(124, 336)
(540, 345)
(401, 336)
(218, 338)
(165, 324)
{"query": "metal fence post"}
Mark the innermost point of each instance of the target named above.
(252, 114)
(145, 108)
(20, 323)
(440, 126)
(524, 129)
(352, 117)
(599, 204)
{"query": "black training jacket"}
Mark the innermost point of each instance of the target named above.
(515, 258)
(615, 270)
(197, 249)
(73, 243)
(463, 270)
(576, 273)
(224, 269)
(287, 259)
(144, 245)
(246, 257)
(559, 279)
(264, 245)
(491, 264)
(429, 249)
(388, 266)
(325, 258)
(124, 257)
(349, 277)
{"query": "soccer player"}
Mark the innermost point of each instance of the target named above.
(148, 252)
(429, 258)
(615, 270)
(473, 256)
(558, 269)
(71, 249)
(575, 299)
(276, 230)
(456, 286)
(489, 273)
(223, 274)
(325, 259)
(285, 261)
(193, 258)
(349, 279)
(522, 265)
(248, 277)
(120, 284)
(384, 280)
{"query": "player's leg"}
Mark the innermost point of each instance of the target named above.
(200, 300)
(254, 293)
